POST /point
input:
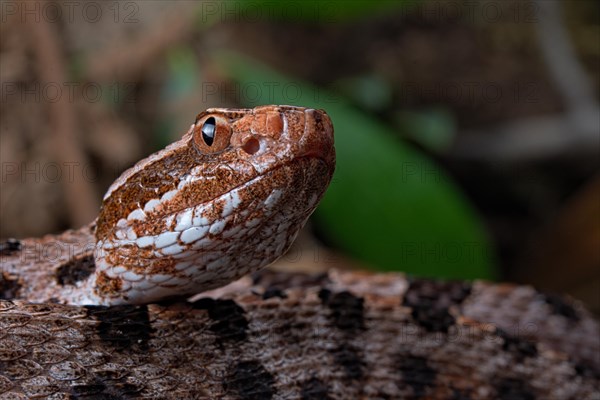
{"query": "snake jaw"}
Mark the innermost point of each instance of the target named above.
(193, 217)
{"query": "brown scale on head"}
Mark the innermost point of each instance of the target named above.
(228, 198)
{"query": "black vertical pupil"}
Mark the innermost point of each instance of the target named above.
(208, 131)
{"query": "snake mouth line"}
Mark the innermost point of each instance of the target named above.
(301, 162)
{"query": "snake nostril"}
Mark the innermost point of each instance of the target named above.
(251, 146)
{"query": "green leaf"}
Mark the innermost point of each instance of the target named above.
(388, 204)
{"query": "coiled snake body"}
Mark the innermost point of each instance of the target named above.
(225, 200)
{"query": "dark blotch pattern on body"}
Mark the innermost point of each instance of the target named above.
(513, 389)
(9, 286)
(350, 358)
(430, 302)
(519, 347)
(458, 394)
(416, 373)
(347, 310)
(347, 315)
(273, 292)
(586, 370)
(75, 270)
(249, 380)
(229, 320)
(123, 327)
(105, 390)
(559, 306)
(9, 246)
(314, 389)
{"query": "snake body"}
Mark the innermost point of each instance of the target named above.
(74, 322)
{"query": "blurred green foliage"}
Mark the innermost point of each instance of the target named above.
(183, 73)
(372, 92)
(312, 10)
(433, 128)
(388, 205)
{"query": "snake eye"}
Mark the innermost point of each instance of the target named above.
(208, 131)
(211, 133)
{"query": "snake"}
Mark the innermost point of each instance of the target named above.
(164, 295)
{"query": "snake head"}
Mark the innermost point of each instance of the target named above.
(225, 200)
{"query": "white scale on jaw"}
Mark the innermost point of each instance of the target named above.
(191, 225)
(193, 232)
